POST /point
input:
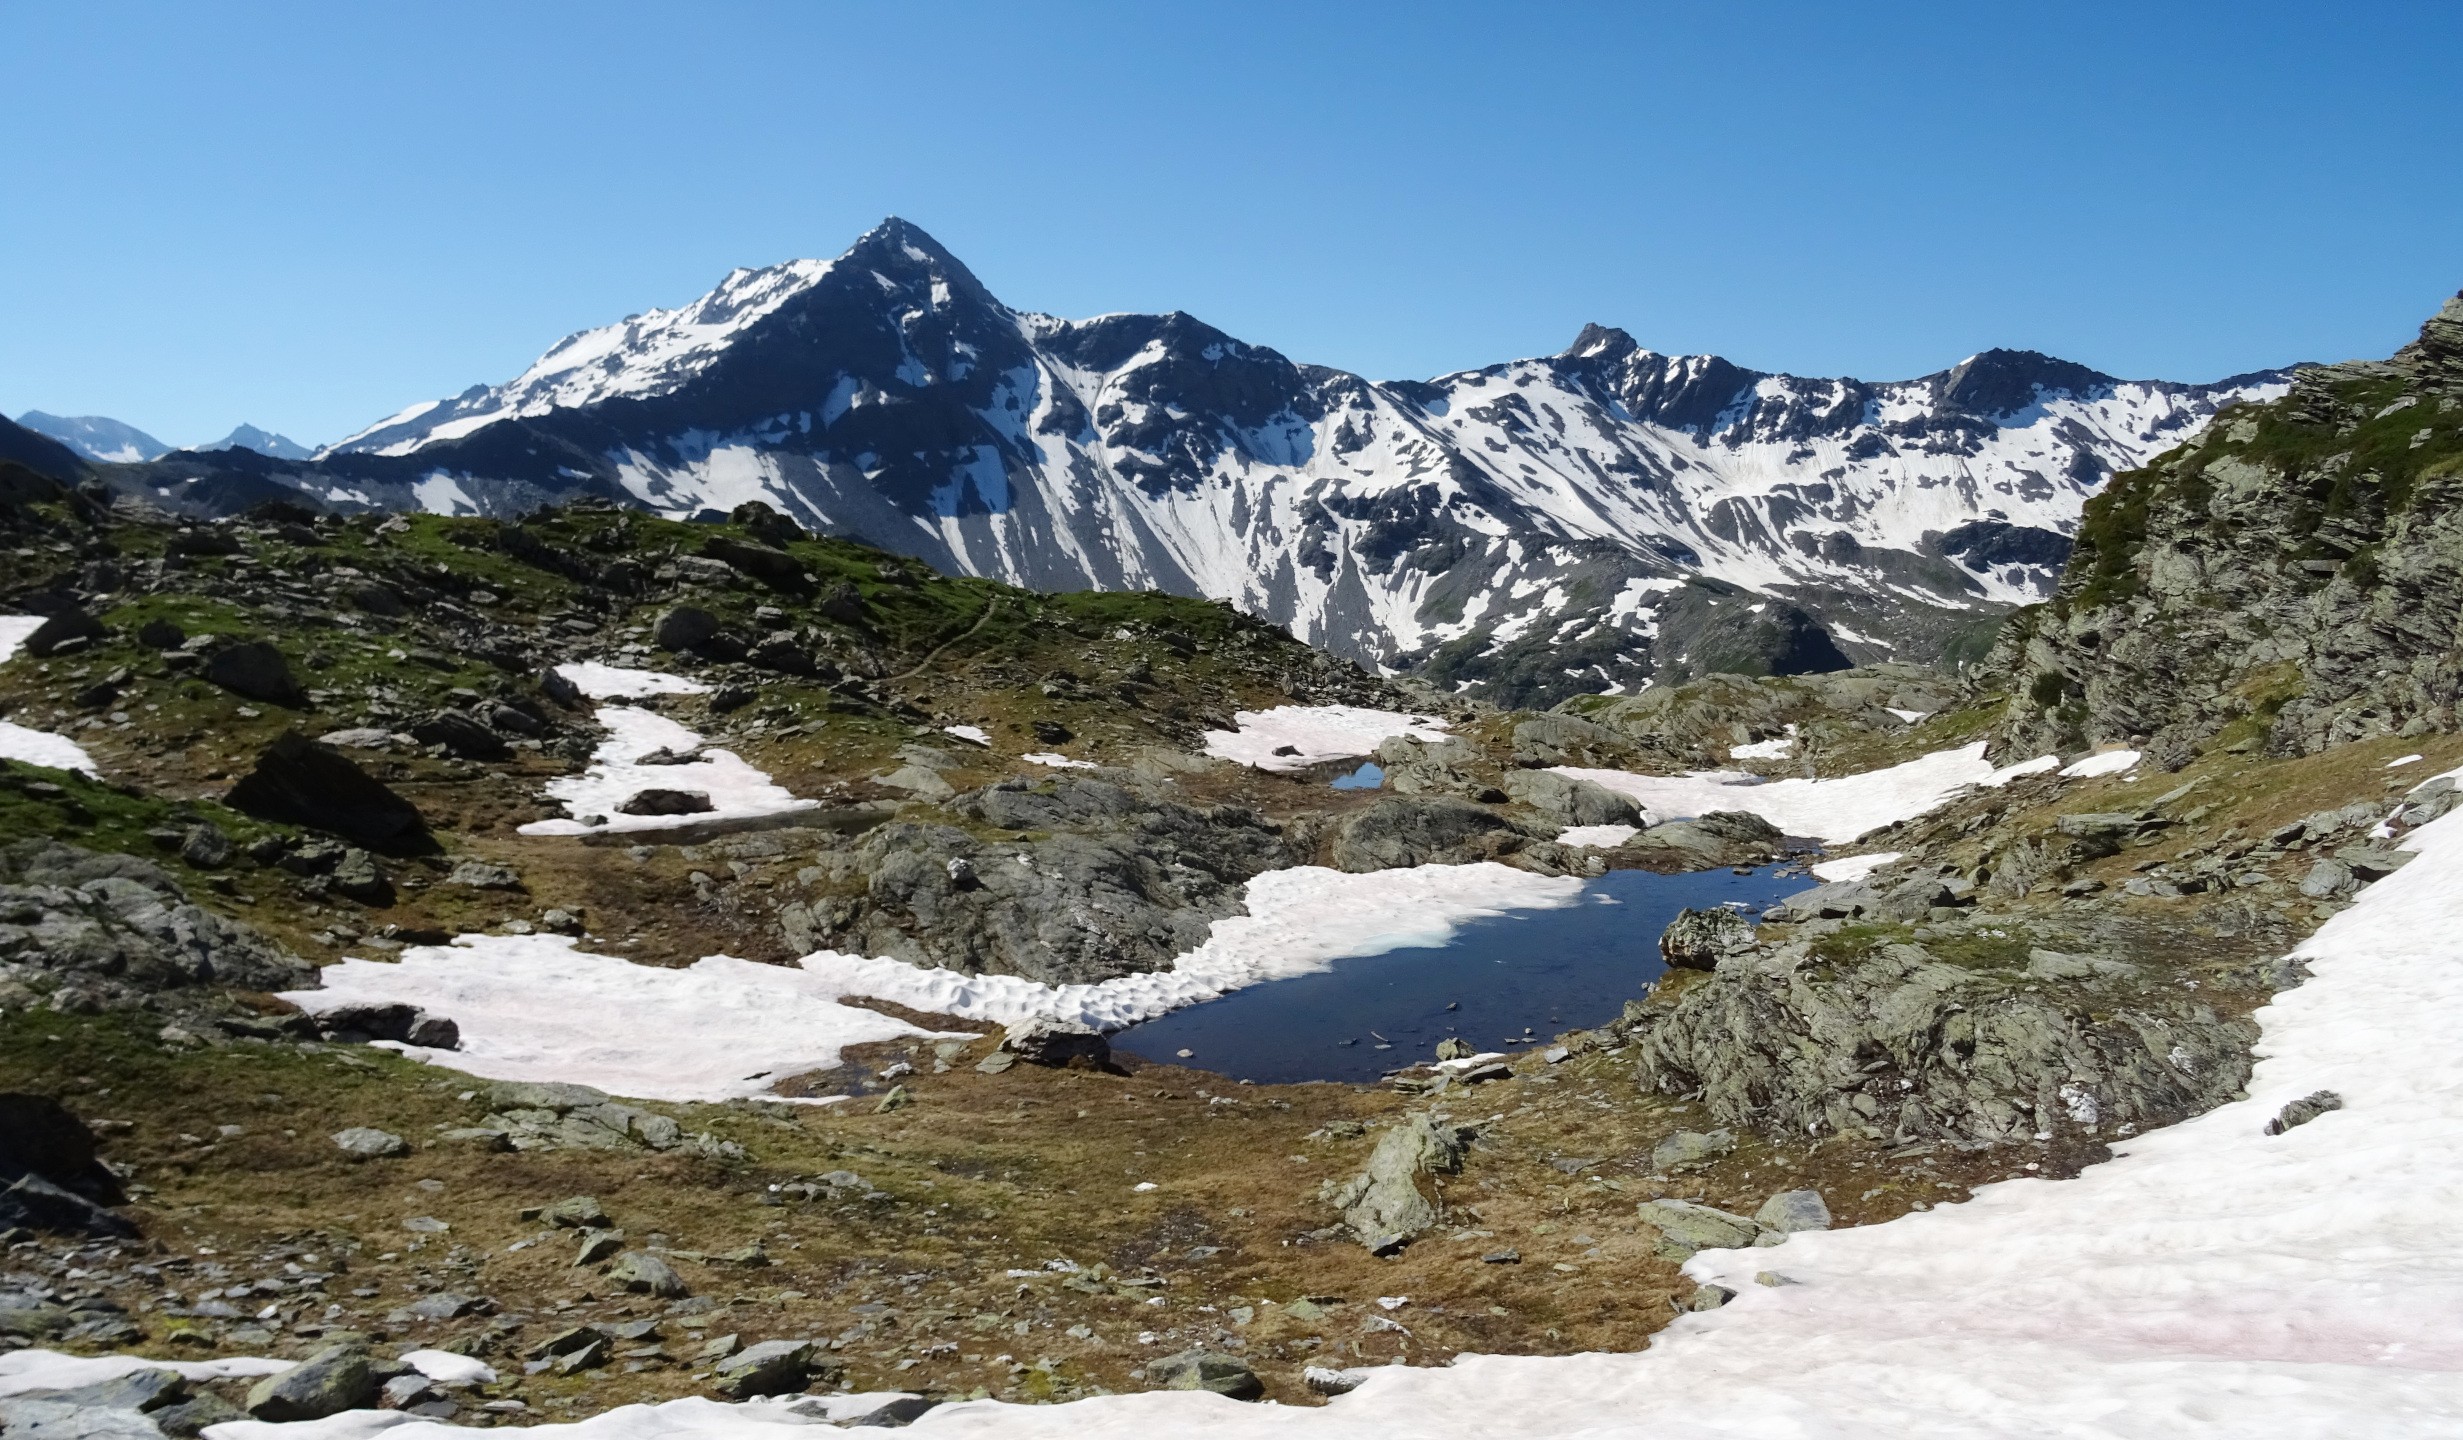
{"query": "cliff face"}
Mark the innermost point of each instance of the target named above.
(2290, 579)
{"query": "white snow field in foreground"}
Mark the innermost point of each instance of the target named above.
(26, 1370)
(1300, 921)
(1318, 732)
(736, 790)
(1828, 810)
(35, 747)
(2210, 1281)
(534, 1007)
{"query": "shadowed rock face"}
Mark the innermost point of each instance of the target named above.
(2290, 580)
(301, 782)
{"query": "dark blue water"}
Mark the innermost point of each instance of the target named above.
(1367, 777)
(1512, 980)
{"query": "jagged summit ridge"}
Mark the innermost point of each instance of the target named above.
(1584, 520)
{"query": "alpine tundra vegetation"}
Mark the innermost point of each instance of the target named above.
(625, 887)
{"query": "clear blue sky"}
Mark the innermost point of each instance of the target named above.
(309, 215)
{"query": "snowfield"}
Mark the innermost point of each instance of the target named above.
(1317, 733)
(535, 1007)
(1827, 810)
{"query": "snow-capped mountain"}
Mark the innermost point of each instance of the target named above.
(264, 442)
(1572, 522)
(97, 437)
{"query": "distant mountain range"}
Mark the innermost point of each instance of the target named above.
(1589, 520)
(116, 442)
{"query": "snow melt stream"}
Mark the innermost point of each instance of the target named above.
(736, 790)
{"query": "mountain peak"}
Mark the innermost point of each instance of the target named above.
(2003, 382)
(1600, 342)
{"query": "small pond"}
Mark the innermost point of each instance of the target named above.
(1368, 777)
(1508, 981)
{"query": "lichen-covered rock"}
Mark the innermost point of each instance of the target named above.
(1685, 1227)
(1571, 800)
(1901, 1046)
(1111, 881)
(1226, 1375)
(329, 1382)
(1386, 1204)
(116, 929)
(1699, 939)
(1043, 1040)
(1403, 830)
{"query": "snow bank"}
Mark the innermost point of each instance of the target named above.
(36, 747)
(1830, 810)
(1775, 748)
(1853, 867)
(614, 682)
(1318, 732)
(1604, 837)
(971, 733)
(534, 1007)
(735, 789)
(1300, 921)
(41, 747)
(25, 1370)
(14, 632)
(1057, 761)
(2110, 762)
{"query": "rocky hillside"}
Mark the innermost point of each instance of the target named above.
(2289, 580)
(1572, 523)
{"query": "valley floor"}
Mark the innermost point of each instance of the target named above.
(2212, 1278)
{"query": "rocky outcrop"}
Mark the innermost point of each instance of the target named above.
(80, 930)
(1105, 879)
(2289, 580)
(1900, 1044)
(1424, 830)
(1387, 1203)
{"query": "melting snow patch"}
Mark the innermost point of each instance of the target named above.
(1772, 749)
(971, 733)
(1853, 867)
(2402, 760)
(616, 774)
(14, 632)
(1833, 810)
(534, 1007)
(1313, 733)
(49, 1370)
(1056, 761)
(36, 747)
(1300, 921)
(615, 682)
(41, 747)
(1603, 837)
(2110, 762)
(1910, 716)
